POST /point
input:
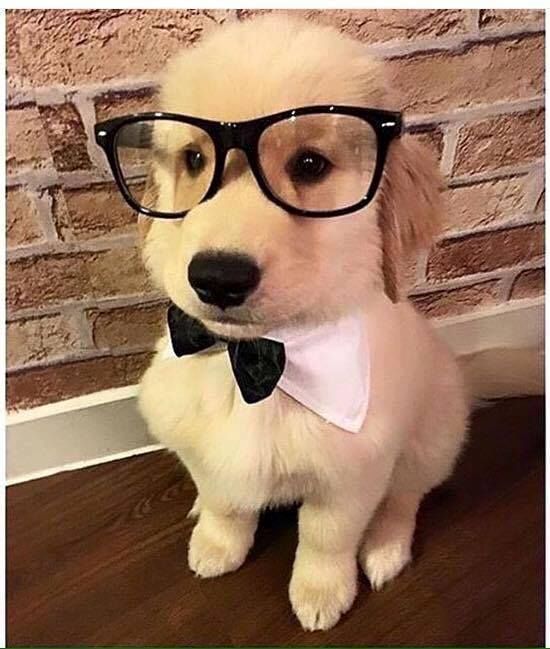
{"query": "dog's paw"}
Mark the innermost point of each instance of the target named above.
(383, 562)
(209, 557)
(319, 604)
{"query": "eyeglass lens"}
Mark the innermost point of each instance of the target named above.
(180, 156)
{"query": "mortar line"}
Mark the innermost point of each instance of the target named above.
(455, 43)
(82, 355)
(516, 221)
(508, 280)
(495, 174)
(389, 49)
(456, 182)
(421, 267)
(86, 109)
(474, 20)
(450, 141)
(536, 186)
(473, 278)
(106, 303)
(44, 208)
(430, 289)
(473, 114)
(60, 247)
(81, 325)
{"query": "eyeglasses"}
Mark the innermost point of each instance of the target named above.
(315, 161)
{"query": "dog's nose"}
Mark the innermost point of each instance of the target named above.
(223, 278)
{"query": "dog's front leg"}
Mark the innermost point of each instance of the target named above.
(220, 540)
(324, 577)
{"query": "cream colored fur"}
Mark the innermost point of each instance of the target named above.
(359, 493)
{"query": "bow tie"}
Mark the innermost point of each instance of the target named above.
(257, 364)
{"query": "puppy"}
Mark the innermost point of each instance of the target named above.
(359, 492)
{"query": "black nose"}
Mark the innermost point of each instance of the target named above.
(223, 278)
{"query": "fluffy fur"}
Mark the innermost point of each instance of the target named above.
(359, 494)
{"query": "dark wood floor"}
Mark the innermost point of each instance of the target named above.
(98, 557)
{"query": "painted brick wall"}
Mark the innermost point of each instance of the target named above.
(82, 315)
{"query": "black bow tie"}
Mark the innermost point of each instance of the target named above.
(257, 364)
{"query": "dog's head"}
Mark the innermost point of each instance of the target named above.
(289, 268)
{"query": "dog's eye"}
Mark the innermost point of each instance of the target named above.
(194, 161)
(308, 167)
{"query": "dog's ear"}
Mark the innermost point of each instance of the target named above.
(149, 198)
(410, 207)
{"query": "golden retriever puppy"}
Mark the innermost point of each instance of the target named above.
(359, 491)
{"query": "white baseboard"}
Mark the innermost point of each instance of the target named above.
(62, 440)
(514, 324)
(105, 426)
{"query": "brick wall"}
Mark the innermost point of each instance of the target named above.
(82, 315)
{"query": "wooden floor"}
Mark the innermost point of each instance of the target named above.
(98, 557)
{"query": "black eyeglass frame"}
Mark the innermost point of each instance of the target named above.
(245, 136)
